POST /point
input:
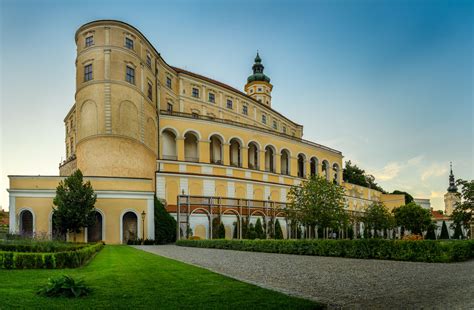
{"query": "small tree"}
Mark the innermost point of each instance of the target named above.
(458, 232)
(235, 234)
(75, 202)
(430, 233)
(245, 228)
(463, 213)
(408, 197)
(259, 230)
(278, 231)
(412, 217)
(165, 225)
(251, 232)
(221, 232)
(444, 232)
(377, 217)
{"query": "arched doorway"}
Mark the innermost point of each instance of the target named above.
(129, 227)
(26, 223)
(94, 232)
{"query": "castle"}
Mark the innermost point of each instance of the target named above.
(141, 128)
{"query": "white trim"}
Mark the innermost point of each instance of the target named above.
(50, 193)
(151, 219)
(172, 129)
(19, 219)
(193, 131)
(12, 210)
(139, 225)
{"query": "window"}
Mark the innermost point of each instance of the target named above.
(212, 98)
(259, 89)
(195, 115)
(259, 100)
(148, 60)
(264, 118)
(89, 41)
(168, 82)
(169, 107)
(229, 104)
(245, 110)
(150, 91)
(129, 43)
(130, 75)
(284, 129)
(87, 72)
(275, 126)
(251, 91)
(195, 92)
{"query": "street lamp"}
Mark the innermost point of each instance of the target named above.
(143, 224)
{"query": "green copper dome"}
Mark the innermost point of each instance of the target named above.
(258, 74)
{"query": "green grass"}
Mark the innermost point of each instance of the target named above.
(124, 277)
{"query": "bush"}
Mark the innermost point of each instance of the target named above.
(64, 286)
(444, 232)
(405, 250)
(165, 225)
(278, 231)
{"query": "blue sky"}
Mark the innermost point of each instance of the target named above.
(389, 83)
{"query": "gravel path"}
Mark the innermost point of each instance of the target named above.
(341, 282)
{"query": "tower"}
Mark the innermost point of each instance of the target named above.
(452, 196)
(258, 84)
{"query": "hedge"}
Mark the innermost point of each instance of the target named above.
(54, 260)
(39, 246)
(416, 251)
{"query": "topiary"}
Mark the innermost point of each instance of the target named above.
(278, 231)
(430, 233)
(221, 231)
(259, 230)
(165, 225)
(458, 233)
(444, 232)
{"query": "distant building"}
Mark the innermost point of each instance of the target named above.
(424, 203)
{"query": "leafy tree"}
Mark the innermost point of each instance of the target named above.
(221, 232)
(413, 217)
(259, 230)
(408, 197)
(444, 232)
(458, 232)
(278, 231)
(353, 174)
(430, 233)
(75, 202)
(317, 202)
(377, 217)
(251, 232)
(463, 213)
(165, 224)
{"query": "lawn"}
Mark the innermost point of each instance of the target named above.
(124, 277)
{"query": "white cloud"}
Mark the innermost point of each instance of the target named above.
(434, 170)
(392, 169)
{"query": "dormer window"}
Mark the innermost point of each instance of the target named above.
(89, 41)
(195, 92)
(229, 104)
(212, 98)
(129, 43)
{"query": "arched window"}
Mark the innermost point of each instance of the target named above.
(325, 169)
(94, 232)
(301, 165)
(168, 138)
(285, 162)
(26, 223)
(335, 168)
(191, 147)
(314, 166)
(235, 150)
(216, 149)
(253, 158)
(269, 159)
(129, 227)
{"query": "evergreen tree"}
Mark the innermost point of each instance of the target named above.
(215, 227)
(251, 232)
(458, 232)
(235, 234)
(259, 233)
(245, 228)
(444, 232)
(221, 232)
(165, 225)
(430, 233)
(278, 231)
(75, 202)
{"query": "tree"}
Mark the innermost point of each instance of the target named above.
(259, 230)
(354, 175)
(251, 232)
(235, 234)
(413, 217)
(458, 232)
(165, 224)
(430, 233)
(317, 202)
(463, 213)
(408, 197)
(75, 202)
(278, 231)
(377, 217)
(221, 231)
(444, 232)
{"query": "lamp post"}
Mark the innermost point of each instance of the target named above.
(143, 224)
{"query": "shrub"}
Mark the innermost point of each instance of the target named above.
(278, 231)
(64, 286)
(404, 250)
(444, 232)
(259, 233)
(221, 231)
(413, 237)
(165, 225)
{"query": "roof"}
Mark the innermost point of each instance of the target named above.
(437, 215)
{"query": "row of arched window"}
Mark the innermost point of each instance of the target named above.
(191, 138)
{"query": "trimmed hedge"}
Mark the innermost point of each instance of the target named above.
(416, 251)
(39, 246)
(73, 258)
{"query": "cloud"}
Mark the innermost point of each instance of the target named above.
(392, 169)
(434, 170)
(435, 194)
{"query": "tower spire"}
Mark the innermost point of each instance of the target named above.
(452, 184)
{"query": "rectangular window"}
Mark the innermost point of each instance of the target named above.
(195, 92)
(195, 115)
(89, 41)
(229, 104)
(148, 60)
(129, 43)
(245, 110)
(275, 126)
(87, 72)
(212, 98)
(259, 89)
(264, 118)
(130, 76)
(150, 91)
(168, 82)
(169, 108)
(284, 129)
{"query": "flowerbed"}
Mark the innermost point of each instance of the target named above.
(416, 251)
(29, 257)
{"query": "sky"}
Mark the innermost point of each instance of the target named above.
(388, 83)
